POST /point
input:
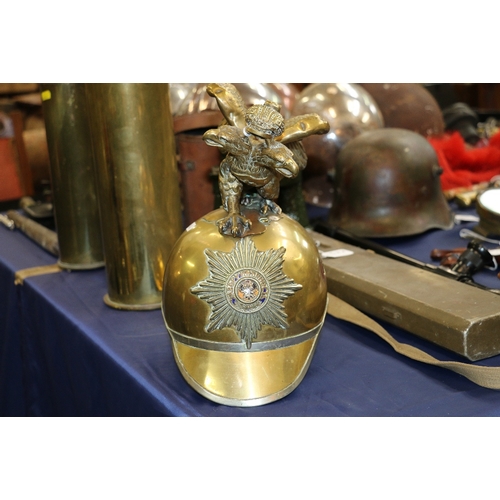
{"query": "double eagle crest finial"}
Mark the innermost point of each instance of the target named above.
(246, 287)
(260, 148)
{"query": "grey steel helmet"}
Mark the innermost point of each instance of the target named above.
(386, 183)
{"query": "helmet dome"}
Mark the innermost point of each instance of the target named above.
(387, 183)
(244, 314)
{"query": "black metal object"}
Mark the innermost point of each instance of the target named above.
(461, 118)
(473, 259)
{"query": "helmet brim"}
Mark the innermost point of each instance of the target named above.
(250, 378)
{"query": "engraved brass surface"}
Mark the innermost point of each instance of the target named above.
(139, 191)
(253, 286)
(253, 140)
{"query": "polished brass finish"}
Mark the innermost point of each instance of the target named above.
(72, 175)
(209, 330)
(253, 141)
(250, 378)
(186, 270)
(244, 294)
(139, 192)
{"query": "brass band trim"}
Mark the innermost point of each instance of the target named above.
(241, 347)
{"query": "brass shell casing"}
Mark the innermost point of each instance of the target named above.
(139, 194)
(199, 286)
(72, 175)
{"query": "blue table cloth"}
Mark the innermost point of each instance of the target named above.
(63, 352)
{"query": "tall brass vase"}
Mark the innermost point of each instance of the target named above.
(138, 188)
(72, 175)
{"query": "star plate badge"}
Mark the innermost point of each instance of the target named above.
(246, 289)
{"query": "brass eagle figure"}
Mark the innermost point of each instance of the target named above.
(260, 148)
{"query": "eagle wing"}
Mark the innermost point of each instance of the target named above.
(230, 103)
(300, 127)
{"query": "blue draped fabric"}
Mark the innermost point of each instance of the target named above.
(11, 368)
(63, 352)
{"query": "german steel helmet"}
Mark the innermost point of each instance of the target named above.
(244, 292)
(386, 183)
(407, 105)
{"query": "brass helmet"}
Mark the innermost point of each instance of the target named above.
(386, 183)
(244, 314)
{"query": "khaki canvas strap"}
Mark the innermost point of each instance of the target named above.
(22, 274)
(485, 376)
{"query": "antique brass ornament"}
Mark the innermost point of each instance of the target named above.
(138, 188)
(244, 293)
(247, 279)
(261, 148)
(72, 172)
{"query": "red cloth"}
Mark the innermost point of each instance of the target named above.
(10, 183)
(464, 166)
